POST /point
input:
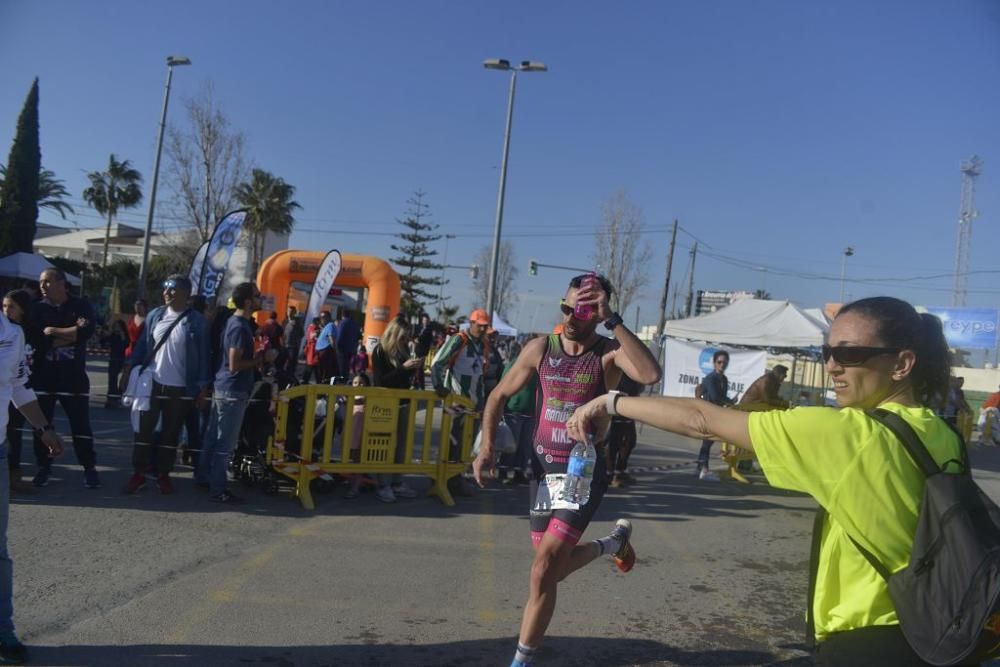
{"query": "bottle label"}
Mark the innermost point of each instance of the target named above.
(578, 466)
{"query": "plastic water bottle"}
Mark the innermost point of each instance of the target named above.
(579, 473)
(585, 311)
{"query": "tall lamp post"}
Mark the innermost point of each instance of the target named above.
(500, 64)
(848, 252)
(172, 61)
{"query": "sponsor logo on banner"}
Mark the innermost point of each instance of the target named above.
(328, 270)
(197, 264)
(968, 327)
(219, 252)
(380, 313)
(686, 364)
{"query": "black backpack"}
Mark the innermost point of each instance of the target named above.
(947, 598)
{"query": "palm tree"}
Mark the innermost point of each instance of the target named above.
(118, 187)
(269, 204)
(51, 191)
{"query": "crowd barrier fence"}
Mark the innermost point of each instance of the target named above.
(324, 451)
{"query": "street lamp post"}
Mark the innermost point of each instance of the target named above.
(172, 61)
(848, 251)
(500, 64)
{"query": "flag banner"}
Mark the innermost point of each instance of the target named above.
(194, 273)
(327, 273)
(971, 328)
(219, 252)
(686, 363)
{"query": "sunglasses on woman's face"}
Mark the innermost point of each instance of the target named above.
(854, 355)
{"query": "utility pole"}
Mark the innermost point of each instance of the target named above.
(666, 285)
(967, 212)
(690, 303)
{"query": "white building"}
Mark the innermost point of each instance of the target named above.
(126, 242)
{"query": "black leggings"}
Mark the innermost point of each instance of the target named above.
(875, 646)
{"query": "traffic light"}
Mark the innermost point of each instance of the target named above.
(533, 268)
(474, 271)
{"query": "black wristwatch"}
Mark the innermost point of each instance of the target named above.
(39, 431)
(613, 321)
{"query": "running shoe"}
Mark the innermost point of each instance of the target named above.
(403, 490)
(226, 497)
(91, 479)
(385, 494)
(42, 477)
(707, 475)
(12, 651)
(135, 482)
(624, 558)
(165, 485)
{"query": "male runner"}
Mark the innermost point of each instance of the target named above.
(572, 367)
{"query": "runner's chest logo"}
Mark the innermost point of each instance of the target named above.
(554, 362)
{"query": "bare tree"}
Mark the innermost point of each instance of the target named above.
(506, 296)
(205, 162)
(620, 250)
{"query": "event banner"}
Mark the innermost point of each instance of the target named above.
(327, 273)
(971, 328)
(197, 264)
(219, 252)
(686, 363)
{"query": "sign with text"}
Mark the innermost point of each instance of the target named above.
(686, 363)
(974, 328)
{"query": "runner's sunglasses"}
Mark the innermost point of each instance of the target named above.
(569, 310)
(854, 355)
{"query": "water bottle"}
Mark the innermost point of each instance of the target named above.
(579, 473)
(585, 311)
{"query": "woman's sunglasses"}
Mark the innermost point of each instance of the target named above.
(854, 356)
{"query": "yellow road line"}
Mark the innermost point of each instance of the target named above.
(201, 612)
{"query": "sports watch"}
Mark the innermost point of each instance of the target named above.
(613, 321)
(612, 400)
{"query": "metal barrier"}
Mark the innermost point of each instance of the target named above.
(733, 454)
(317, 455)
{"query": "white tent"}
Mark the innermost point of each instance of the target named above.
(502, 327)
(499, 325)
(28, 267)
(754, 323)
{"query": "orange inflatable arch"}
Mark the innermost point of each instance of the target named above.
(280, 270)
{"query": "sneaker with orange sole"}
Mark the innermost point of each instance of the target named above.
(624, 558)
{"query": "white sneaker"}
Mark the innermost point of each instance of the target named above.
(385, 494)
(707, 475)
(403, 490)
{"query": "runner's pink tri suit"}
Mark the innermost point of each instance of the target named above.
(565, 383)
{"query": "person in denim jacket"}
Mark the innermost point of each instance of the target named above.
(181, 378)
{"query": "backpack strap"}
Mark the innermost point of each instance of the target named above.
(914, 447)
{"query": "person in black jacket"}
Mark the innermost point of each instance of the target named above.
(394, 370)
(116, 340)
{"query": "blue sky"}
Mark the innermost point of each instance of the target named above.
(777, 132)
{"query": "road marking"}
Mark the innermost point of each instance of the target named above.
(487, 563)
(201, 611)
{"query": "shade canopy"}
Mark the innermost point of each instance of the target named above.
(753, 323)
(28, 267)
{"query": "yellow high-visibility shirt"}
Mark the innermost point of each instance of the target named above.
(860, 472)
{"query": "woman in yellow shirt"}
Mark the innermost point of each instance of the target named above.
(880, 353)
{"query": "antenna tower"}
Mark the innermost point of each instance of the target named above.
(970, 169)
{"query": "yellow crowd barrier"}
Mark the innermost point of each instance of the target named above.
(380, 434)
(733, 454)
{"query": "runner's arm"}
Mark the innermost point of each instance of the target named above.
(634, 358)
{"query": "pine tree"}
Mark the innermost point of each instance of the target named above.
(19, 193)
(415, 256)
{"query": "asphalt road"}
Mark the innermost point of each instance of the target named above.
(107, 579)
